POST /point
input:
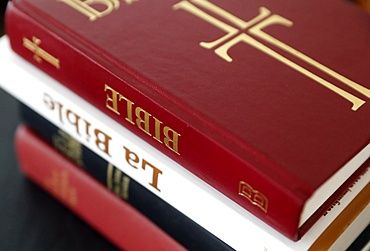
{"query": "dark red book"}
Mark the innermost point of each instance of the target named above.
(264, 102)
(87, 198)
(178, 226)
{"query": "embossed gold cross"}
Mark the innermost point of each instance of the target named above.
(242, 31)
(39, 53)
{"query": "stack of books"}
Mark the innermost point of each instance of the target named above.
(197, 125)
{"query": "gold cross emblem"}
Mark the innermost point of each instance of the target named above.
(242, 31)
(39, 53)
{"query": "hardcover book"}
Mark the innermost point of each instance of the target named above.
(179, 227)
(182, 190)
(116, 220)
(263, 102)
(341, 231)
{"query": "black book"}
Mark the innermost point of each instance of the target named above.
(184, 230)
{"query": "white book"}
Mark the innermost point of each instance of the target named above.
(175, 185)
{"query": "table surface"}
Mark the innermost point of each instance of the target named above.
(30, 219)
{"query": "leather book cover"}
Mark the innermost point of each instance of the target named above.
(116, 220)
(267, 101)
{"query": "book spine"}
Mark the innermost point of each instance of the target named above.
(178, 187)
(191, 235)
(351, 206)
(31, 32)
(112, 142)
(174, 223)
(113, 218)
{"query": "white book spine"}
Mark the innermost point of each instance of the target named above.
(174, 184)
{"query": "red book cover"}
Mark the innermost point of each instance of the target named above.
(267, 101)
(113, 218)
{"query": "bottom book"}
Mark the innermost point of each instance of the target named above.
(114, 219)
(123, 225)
(177, 225)
(202, 204)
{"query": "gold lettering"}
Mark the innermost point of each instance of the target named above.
(58, 184)
(70, 147)
(112, 102)
(142, 119)
(86, 7)
(130, 1)
(125, 187)
(113, 99)
(95, 9)
(118, 182)
(110, 169)
(129, 105)
(157, 134)
(172, 142)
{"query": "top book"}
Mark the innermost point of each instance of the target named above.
(267, 101)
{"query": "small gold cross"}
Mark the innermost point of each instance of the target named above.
(39, 53)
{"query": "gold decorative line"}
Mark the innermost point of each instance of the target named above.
(110, 176)
(255, 27)
(257, 31)
(222, 51)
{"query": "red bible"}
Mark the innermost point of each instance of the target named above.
(113, 218)
(264, 102)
